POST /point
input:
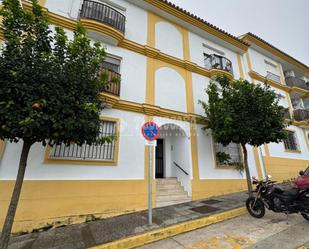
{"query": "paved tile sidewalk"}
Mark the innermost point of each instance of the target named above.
(97, 232)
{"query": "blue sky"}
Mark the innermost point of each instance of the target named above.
(283, 23)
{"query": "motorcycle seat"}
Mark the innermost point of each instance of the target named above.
(303, 187)
(287, 191)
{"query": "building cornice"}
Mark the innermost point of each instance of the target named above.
(148, 51)
(251, 38)
(187, 17)
(149, 110)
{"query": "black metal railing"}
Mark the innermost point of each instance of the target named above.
(274, 77)
(113, 85)
(286, 113)
(213, 61)
(103, 13)
(301, 114)
(294, 81)
(104, 152)
(179, 167)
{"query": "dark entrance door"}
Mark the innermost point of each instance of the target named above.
(159, 159)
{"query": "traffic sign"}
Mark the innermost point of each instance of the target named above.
(150, 131)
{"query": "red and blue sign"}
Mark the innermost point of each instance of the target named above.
(150, 131)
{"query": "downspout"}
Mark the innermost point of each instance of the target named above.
(262, 162)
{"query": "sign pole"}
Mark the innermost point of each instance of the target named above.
(150, 185)
(151, 132)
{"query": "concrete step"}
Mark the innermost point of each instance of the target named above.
(168, 203)
(174, 197)
(170, 192)
(169, 186)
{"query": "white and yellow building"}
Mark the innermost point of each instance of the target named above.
(165, 57)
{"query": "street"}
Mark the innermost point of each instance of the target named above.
(272, 231)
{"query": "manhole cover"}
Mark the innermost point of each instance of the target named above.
(204, 209)
(211, 202)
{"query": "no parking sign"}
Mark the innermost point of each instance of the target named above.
(150, 131)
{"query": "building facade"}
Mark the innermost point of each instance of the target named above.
(165, 58)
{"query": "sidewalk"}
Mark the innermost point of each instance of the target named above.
(99, 232)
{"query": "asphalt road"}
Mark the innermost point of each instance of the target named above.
(274, 231)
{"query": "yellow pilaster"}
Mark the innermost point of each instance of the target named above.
(241, 71)
(2, 146)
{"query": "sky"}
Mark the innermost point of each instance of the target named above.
(282, 23)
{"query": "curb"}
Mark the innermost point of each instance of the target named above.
(163, 233)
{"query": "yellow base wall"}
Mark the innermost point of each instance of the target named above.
(44, 203)
(284, 168)
(202, 189)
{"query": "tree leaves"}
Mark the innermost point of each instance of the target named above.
(244, 113)
(49, 85)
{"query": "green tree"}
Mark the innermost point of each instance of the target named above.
(49, 88)
(243, 113)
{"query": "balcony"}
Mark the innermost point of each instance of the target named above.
(104, 14)
(113, 85)
(273, 77)
(287, 113)
(297, 82)
(214, 61)
(301, 114)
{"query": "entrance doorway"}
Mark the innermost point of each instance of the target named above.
(159, 159)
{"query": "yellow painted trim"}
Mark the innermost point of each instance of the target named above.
(197, 23)
(194, 151)
(186, 45)
(113, 162)
(42, 2)
(248, 61)
(2, 147)
(249, 38)
(214, 157)
(283, 168)
(147, 50)
(266, 149)
(163, 233)
(102, 28)
(147, 109)
(257, 161)
(241, 70)
(257, 76)
(64, 202)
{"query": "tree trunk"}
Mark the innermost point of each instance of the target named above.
(248, 176)
(7, 227)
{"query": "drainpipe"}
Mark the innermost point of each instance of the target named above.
(262, 162)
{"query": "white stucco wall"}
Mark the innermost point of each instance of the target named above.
(170, 89)
(259, 65)
(130, 161)
(168, 39)
(278, 149)
(206, 159)
(199, 86)
(197, 50)
(136, 18)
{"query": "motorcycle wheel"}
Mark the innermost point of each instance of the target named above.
(258, 211)
(306, 216)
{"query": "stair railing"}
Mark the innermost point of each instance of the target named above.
(178, 166)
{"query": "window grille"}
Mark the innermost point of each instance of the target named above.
(229, 155)
(290, 143)
(99, 152)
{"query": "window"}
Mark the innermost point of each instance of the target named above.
(290, 143)
(106, 152)
(229, 155)
(112, 63)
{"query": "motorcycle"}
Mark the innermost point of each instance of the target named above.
(280, 198)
